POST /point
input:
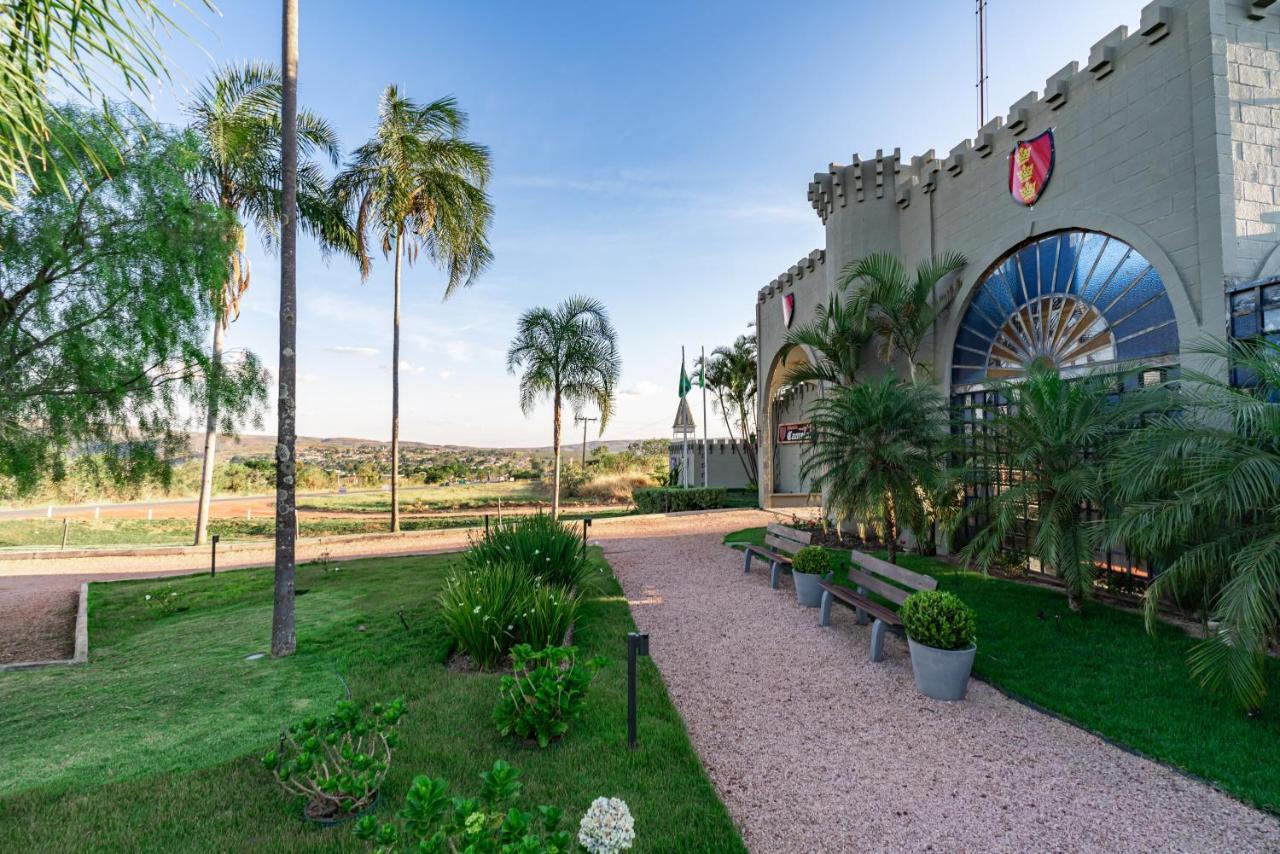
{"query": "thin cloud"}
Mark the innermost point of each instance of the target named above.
(363, 352)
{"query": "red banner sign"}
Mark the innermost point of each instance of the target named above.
(793, 434)
(1030, 167)
(788, 309)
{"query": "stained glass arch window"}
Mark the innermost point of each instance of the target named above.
(1072, 299)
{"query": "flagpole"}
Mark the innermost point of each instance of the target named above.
(685, 440)
(702, 381)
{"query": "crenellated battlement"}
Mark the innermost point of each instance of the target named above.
(926, 173)
(714, 446)
(810, 265)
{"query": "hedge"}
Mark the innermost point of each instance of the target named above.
(672, 499)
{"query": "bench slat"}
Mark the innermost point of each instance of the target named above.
(802, 538)
(770, 555)
(782, 545)
(903, 576)
(844, 594)
(858, 578)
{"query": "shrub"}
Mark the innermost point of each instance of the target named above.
(481, 607)
(430, 821)
(547, 614)
(338, 764)
(546, 693)
(938, 619)
(616, 487)
(607, 828)
(675, 499)
(544, 547)
(813, 560)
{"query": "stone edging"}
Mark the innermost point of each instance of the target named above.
(81, 654)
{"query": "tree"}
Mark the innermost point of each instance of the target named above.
(103, 296)
(900, 310)
(421, 186)
(236, 115)
(1200, 497)
(837, 335)
(1048, 448)
(284, 639)
(730, 373)
(72, 46)
(569, 354)
(872, 445)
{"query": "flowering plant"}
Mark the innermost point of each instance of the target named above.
(607, 828)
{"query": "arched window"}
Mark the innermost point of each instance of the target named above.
(1072, 299)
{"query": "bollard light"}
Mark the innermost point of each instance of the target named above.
(486, 527)
(637, 644)
(586, 523)
(213, 556)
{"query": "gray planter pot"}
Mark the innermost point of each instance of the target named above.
(808, 593)
(942, 674)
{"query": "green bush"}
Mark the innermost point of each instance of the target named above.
(481, 607)
(812, 560)
(543, 547)
(666, 499)
(431, 821)
(938, 619)
(338, 764)
(546, 692)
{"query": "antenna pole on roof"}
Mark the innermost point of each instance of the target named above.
(980, 35)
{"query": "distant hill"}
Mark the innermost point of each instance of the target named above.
(251, 445)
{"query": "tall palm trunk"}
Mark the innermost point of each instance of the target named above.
(283, 636)
(395, 399)
(555, 447)
(891, 528)
(210, 428)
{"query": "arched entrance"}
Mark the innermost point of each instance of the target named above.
(1075, 299)
(783, 432)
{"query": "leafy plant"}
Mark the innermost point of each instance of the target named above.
(432, 823)
(938, 619)
(545, 694)
(337, 763)
(481, 606)
(678, 499)
(542, 546)
(811, 560)
(164, 601)
(1200, 493)
(873, 445)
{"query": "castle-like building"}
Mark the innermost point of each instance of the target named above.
(1120, 214)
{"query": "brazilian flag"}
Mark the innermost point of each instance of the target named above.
(685, 385)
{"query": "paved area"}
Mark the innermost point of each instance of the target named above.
(814, 749)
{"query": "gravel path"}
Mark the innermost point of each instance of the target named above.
(759, 684)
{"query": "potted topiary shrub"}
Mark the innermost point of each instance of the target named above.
(940, 634)
(809, 566)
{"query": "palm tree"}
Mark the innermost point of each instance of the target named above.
(837, 335)
(873, 444)
(284, 638)
(420, 186)
(730, 373)
(1048, 449)
(236, 117)
(569, 354)
(899, 309)
(1200, 494)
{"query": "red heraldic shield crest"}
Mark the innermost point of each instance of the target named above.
(788, 309)
(1030, 166)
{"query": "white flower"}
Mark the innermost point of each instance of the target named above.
(475, 610)
(147, 597)
(607, 828)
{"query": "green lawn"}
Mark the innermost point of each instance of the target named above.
(468, 496)
(153, 745)
(1104, 672)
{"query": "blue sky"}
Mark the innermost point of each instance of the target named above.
(654, 155)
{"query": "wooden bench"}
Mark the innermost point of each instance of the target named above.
(872, 575)
(780, 543)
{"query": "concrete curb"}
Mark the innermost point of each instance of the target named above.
(81, 653)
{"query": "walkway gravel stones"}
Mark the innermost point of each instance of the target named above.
(812, 748)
